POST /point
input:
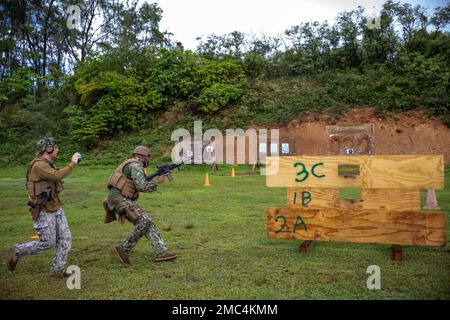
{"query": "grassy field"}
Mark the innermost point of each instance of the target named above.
(219, 234)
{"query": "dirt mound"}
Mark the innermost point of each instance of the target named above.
(408, 133)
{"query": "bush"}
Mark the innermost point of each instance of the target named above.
(217, 96)
(255, 65)
(13, 89)
(219, 84)
(206, 85)
(121, 100)
(109, 103)
(172, 73)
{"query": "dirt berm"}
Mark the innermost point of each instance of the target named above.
(411, 133)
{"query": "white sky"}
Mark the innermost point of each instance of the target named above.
(188, 19)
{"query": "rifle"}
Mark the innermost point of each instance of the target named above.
(164, 171)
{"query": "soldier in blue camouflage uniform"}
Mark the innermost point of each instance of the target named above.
(44, 180)
(124, 186)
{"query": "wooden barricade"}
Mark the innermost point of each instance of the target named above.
(387, 209)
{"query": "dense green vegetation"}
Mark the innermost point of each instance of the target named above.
(90, 86)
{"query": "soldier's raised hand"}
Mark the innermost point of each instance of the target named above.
(75, 157)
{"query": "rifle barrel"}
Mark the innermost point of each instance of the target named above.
(163, 169)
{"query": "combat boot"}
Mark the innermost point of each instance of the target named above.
(12, 259)
(122, 255)
(165, 257)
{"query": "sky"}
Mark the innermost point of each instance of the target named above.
(189, 19)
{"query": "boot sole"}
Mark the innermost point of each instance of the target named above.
(60, 276)
(9, 264)
(120, 258)
(165, 259)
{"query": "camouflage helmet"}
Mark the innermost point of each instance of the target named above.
(42, 145)
(141, 150)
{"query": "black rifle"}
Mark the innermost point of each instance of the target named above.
(164, 171)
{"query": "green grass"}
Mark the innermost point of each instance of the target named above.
(219, 234)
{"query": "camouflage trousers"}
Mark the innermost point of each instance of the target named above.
(144, 226)
(52, 229)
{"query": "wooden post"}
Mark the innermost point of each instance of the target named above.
(397, 253)
(306, 246)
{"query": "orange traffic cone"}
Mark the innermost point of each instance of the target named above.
(233, 174)
(206, 184)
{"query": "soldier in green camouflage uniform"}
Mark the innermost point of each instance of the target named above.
(125, 184)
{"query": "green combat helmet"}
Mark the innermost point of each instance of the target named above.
(46, 144)
(142, 151)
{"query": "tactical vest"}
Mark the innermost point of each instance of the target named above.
(35, 188)
(121, 182)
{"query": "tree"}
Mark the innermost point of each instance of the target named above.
(228, 45)
(441, 17)
(29, 29)
(348, 24)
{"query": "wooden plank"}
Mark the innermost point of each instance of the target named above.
(358, 226)
(325, 172)
(319, 198)
(312, 198)
(383, 172)
(371, 199)
(391, 199)
(404, 172)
